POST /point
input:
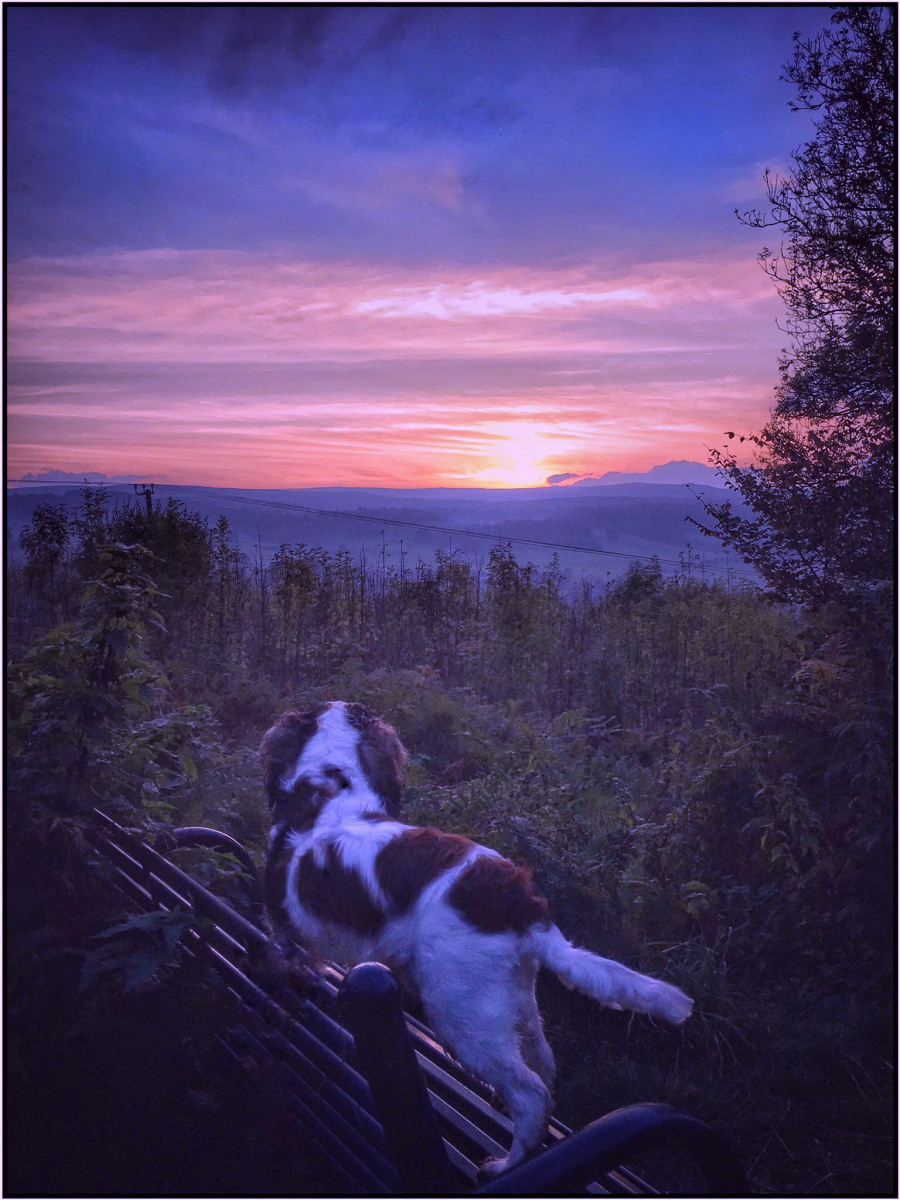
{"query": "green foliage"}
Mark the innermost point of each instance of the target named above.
(220, 872)
(837, 207)
(449, 731)
(135, 950)
(90, 526)
(82, 698)
(818, 495)
(640, 582)
(91, 723)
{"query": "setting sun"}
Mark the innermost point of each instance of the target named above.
(517, 458)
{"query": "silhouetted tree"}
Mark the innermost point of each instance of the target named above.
(822, 487)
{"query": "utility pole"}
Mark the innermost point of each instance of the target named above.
(146, 492)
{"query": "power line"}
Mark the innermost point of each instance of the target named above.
(328, 512)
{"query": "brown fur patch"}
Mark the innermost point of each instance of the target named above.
(282, 745)
(496, 896)
(300, 807)
(335, 895)
(383, 755)
(409, 863)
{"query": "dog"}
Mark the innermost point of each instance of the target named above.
(348, 880)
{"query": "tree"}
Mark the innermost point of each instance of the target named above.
(822, 485)
(181, 542)
(89, 524)
(45, 540)
(82, 685)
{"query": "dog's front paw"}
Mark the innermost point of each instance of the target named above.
(280, 969)
(492, 1167)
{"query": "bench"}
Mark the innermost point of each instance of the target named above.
(387, 1107)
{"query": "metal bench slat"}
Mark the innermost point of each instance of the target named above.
(131, 888)
(149, 875)
(640, 1186)
(200, 897)
(364, 1150)
(617, 1185)
(341, 1041)
(328, 1030)
(368, 1150)
(303, 1042)
(301, 1096)
(237, 1063)
(437, 1074)
(340, 1085)
(463, 1125)
(465, 1167)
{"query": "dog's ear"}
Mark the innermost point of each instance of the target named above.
(282, 745)
(383, 755)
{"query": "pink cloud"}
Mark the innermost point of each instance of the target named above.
(208, 306)
(563, 369)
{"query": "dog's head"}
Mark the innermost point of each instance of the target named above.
(311, 757)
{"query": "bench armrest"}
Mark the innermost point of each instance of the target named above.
(577, 1160)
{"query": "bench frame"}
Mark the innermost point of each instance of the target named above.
(389, 1109)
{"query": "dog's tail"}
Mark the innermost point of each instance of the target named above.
(607, 981)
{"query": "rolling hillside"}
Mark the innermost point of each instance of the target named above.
(623, 521)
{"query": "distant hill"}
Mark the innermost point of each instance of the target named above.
(680, 472)
(623, 518)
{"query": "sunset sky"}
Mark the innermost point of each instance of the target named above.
(297, 246)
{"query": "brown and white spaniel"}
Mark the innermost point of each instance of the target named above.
(348, 880)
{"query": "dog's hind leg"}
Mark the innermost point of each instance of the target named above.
(483, 1025)
(528, 1100)
(535, 1048)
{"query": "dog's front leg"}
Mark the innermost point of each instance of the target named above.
(284, 963)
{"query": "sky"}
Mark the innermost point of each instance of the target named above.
(298, 246)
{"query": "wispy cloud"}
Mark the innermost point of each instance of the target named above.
(221, 306)
(480, 300)
(373, 183)
(305, 244)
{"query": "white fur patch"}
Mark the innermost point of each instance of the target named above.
(334, 747)
(360, 843)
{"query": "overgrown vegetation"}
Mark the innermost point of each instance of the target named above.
(701, 778)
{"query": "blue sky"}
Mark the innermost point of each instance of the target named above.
(504, 235)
